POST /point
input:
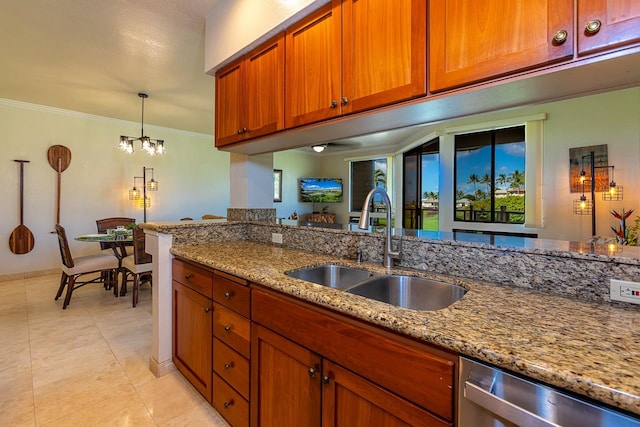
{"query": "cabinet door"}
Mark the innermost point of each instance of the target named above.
(474, 40)
(285, 382)
(229, 104)
(606, 24)
(384, 52)
(264, 95)
(312, 64)
(192, 337)
(350, 400)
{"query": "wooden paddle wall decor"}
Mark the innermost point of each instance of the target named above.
(21, 240)
(59, 158)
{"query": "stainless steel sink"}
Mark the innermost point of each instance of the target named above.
(331, 275)
(409, 292)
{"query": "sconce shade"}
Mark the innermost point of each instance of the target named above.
(582, 206)
(134, 194)
(614, 194)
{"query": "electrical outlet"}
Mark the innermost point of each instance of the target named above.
(622, 290)
(276, 238)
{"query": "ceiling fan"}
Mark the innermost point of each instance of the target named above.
(336, 146)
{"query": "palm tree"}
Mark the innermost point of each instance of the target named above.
(473, 179)
(380, 177)
(459, 194)
(517, 179)
(486, 180)
(502, 179)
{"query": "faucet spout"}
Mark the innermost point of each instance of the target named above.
(389, 254)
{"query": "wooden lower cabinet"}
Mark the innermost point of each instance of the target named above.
(312, 367)
(192, 329)
(350, 400)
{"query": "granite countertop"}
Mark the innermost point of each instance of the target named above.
(590, 349)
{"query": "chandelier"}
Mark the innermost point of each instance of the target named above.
(151, 146)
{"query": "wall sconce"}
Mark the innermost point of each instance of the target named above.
(140, 196)
(584, 206)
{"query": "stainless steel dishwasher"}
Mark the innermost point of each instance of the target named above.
(490, 397)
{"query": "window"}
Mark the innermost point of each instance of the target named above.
(420, 192)
(489, 176)
(365, 175)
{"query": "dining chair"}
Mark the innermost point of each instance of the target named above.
(138, 265)
(105, 224)
(106, 265)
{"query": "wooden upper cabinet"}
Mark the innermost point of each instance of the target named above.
(606, 24)
(229, 103)
(384, 52)
(312, 59)
(250, 94)
(474, 40)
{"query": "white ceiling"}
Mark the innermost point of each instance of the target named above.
(95, 56)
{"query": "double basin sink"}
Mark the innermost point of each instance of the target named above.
(417, 293)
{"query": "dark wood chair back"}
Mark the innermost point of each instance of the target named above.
(139, 254)
(65, 253)
(105, 224)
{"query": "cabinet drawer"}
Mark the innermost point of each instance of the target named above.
(232, 329)
(231, 366)
(233, 407)
(196, 278)
(232, 292)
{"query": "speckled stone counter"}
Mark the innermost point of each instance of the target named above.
(588, 348)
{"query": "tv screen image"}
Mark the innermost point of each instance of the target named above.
(321, 190)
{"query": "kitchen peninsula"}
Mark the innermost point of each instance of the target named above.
(563, 332)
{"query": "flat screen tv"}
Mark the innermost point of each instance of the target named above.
(321, 190)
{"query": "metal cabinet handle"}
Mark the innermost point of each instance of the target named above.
(227, 295)
(312, 372)
(227, 328)
(592, 27)
(188, 276)
(239, 131)
(228, 366)
(227, 403)
(207, 309)
(560, 37)
(344, 100)
(325, 379)
(334, 104)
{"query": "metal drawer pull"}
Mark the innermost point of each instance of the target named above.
(227, 328)
(228, 366)
(560, 37)
(334, 104)
(592, 27)
(312, 372)
(207, 309)
(325, 379)
(227, 295)
(227, 403)
(188, 276)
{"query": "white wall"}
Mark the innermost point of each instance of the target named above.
(295, 164)
(193, 178)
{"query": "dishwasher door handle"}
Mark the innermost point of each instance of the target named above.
(504, 408)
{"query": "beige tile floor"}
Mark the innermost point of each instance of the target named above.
(86, 365)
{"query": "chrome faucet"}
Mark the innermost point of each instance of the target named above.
(363, 224)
